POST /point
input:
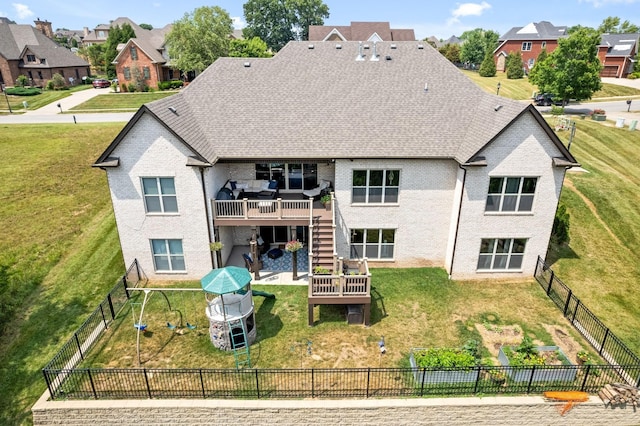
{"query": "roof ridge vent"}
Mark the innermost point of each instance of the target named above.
(374, 56)
(360, 56)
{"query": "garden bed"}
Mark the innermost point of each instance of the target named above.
(540, 373)
(440, 374)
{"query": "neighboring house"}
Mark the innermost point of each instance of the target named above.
(529, 40)
(145, 59)
(360, 31)
(618, 54)
(452, 40)
(29, 51)
(425, 167)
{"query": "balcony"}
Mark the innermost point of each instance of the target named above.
(351, 286)
(262, 212)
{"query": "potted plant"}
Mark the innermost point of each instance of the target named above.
(326, 201)
(216, 246)
(319, 270)
(292, 247)
(599, 115)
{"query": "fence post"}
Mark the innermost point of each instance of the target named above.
(606, 334)
(566, 304)
(137, 269)
(204, 395)
(46, 379)
(257, 381)
(146, 380)
(93, 387)
(535, 271)
(533, 371)
(124, 283)
(575, 311)
(475, 387)
(113, 311)
(106, 325)
(424, 374)
(550, 282)
(586, 376)
(368, 378)
(313, 383)
(75, 335)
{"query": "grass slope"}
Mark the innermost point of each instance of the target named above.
(601, 264)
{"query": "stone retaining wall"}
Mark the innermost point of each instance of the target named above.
(436, 411)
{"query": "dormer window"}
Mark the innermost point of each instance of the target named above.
(134, 53)
(31, 58)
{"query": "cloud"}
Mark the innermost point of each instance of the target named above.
(599, 3)
(238, 23)
(22, 10)
(468, 9)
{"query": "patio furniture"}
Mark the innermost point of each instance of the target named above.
(275, 253)
(318, 190)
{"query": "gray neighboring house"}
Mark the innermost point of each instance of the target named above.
(28, 51)
(618, 54)
(360, 31)
(425, 168)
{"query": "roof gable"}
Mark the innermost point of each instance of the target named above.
(543, 30)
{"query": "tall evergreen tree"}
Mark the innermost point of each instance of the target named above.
(488, 66)
(515, 69)
(117, 35)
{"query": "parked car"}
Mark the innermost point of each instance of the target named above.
(548, 99)
(101, 82)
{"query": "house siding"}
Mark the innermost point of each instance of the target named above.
(524, 149)
(516, 46)
(125, 61)
(421, 218)
(149, 150)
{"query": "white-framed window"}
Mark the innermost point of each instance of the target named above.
(146, 73)
(531, 62)
(526, 46)
(159, 195)
(544, 44)
(168, 255)
(127, 73)
(133, 52)
(372, 243)
(375, 186)
(511, 194)
(501, 254)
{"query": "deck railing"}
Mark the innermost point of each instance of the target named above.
(261, 209)
(355, 282)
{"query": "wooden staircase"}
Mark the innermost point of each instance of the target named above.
(322, 237)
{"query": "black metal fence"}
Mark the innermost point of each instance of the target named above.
(608, 345)
(74, 350)
(330, 383)
(67, 382)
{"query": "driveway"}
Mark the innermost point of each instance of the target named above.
(622, 82)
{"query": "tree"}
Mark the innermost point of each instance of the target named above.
(572, 70)
(94, 54)
(476, 45)
(279, 21)
(488, 66)
(252, 48)
(451, 51)
(146, 26)
(117, 35)
(199, 38)
(612, 25)
(514, 66)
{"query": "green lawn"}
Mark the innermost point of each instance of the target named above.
(37, 101)
(110, 102)
(522, 89)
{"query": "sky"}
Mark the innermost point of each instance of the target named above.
(440, 18)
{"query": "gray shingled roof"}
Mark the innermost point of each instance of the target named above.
(15, 37)
(543, 30)
(362, 31)
(322, 103)
(620, 44)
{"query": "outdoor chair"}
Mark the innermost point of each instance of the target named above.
(317, 191)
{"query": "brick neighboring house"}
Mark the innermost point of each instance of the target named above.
(416, 178)
(28, 51)
(618, 54)
(360, 31)
(529, 40)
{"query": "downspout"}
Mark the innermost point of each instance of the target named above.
(455, 237)
(209, 218)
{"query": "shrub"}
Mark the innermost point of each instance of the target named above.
(23, 91)
(560, 230)
(22, 81)
(514, 66)
(58, 82)
(557, 110)
(444, 357)
(487, 67)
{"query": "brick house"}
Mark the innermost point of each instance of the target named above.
(360, 31)
(530, 41)
(28, 51)
(618, 54)
(414, 176)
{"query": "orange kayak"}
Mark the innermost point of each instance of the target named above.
(567, 395)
